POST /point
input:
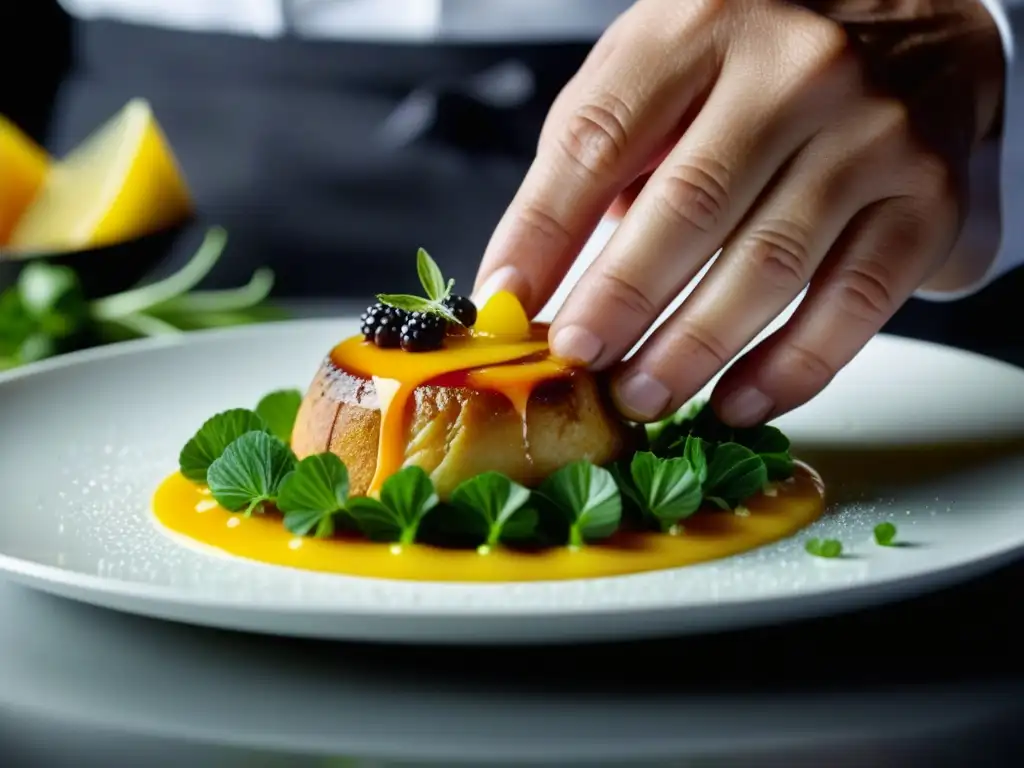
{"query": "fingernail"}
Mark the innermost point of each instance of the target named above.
(745, 407)
(641, 396)
(505, 278)
(576, 343)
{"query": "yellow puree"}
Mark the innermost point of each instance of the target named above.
(507, 355)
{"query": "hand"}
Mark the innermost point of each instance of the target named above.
(822, 146)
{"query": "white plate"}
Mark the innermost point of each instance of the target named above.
(86, 439)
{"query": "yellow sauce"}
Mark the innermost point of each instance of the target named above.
(188, 510)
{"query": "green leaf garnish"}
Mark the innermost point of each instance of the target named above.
(434, 286)
(405, 499)
(53, 296)
(249, 472)
(211, 440)
(499, 504)
(735, 473)
(588, 496)
(772, 446)
(824, 547)
(314, 495)
(695, 452)
(885, 534)
(669, 489)
(430, 277)
(279, 409)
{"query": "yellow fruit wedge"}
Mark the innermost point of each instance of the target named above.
(121, 183)
(23, 165)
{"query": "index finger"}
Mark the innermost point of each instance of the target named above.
(600, 136)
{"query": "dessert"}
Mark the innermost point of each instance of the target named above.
(445, 442)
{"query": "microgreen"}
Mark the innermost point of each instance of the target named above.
(213, 437)
(405, 499)
(588, 497)
(885, 534)
(249, 473)
(695, 451)
(669, 490)
(314, 495)
(434, 286)
(279, 409)
(498, 506)
(824, 547)
(735, 473)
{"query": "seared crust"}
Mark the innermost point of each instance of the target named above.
(454, 432)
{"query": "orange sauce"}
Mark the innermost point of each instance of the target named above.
(188, 510)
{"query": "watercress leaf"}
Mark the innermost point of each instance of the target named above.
(521, 526)
(885, 534)
(213, 437)
(695, 452)
(772, 445)
(588, 496)
(632, 504)
(376, 521)
(496, 500)
(314, 494)
(279, 409)
(824, 547)
(735, 473)
(53, 296)
(250, 471)
(669, 488)
(405, 499)
(430, 276)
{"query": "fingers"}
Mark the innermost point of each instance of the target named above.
(684, 212)
(602, 131)
(880, 261)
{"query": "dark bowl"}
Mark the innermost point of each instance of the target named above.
(106, 270)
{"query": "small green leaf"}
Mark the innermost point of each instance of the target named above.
(824, 547)
(313, 495)
(885, 534)
(210, 441)
(405, 499)
(430, 276)
(669, 488)
(417, 304)
(695, 452)
(735, 473)
(772, 446)
(590, 499)
(499, 503)
(250, 471)
(279, 409)
(53, 296)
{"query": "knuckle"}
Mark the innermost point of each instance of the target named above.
(891, 121)
(820, 44)
(864, 292)
(809, 365)
(595, 135)
(547, 225)
(695, 345)
(695, 195)
(779, 254)
(626, 295)
(934, 177)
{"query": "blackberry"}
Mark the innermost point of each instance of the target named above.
(423, 333)
(463, 309)
(378, 316)
(389, 329)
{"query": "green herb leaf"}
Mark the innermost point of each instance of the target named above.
(772, 446)
(279, 409)
(499, 504)
(430, 277)
(53, 296)
(588, 496)
(695, 452)
(824, 547)
(735, 473)
(668, 488)
(250, 471)
(885, 534)
(313, 495)
(417, 304)
(405, 499)
(211, 440)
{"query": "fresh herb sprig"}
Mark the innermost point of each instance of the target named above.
(46, 313)
(436, 288)
(244, 457)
